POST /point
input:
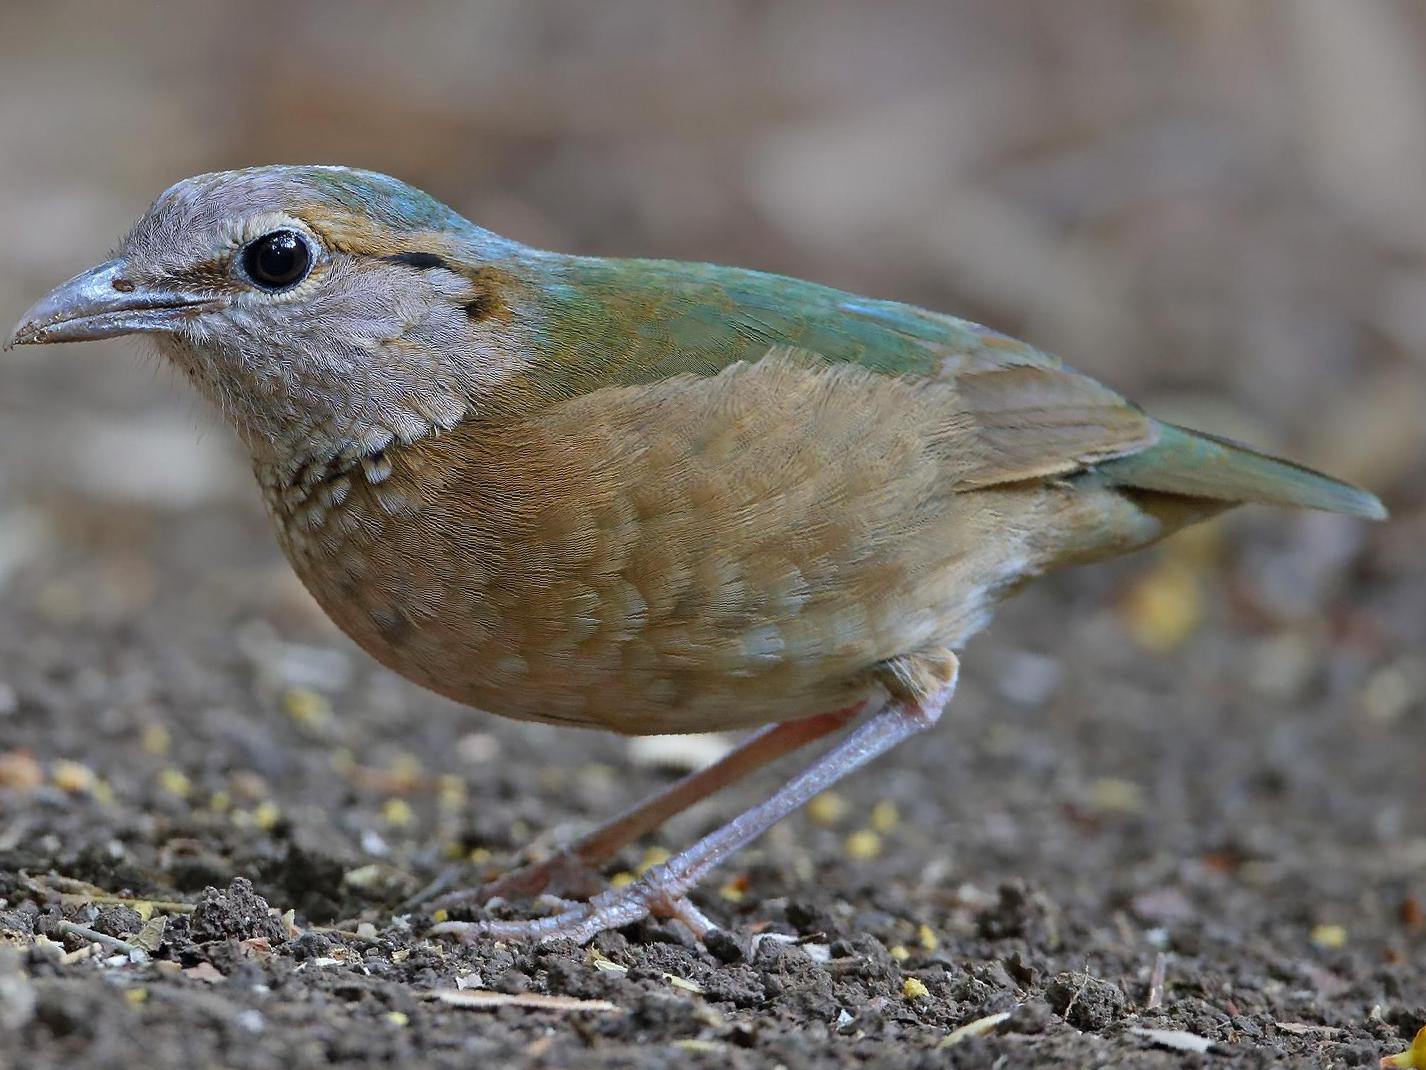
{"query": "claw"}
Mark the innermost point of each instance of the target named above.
(660, 893)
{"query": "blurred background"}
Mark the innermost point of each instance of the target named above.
(1217, 207)
(1214, 206)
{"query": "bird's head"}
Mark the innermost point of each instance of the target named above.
(323, 309)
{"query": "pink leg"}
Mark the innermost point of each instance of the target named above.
(572, 871)
(663, 890)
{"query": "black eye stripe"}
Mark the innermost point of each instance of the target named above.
(277, 261)
(418, 260)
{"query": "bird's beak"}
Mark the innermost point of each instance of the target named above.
(102, 303)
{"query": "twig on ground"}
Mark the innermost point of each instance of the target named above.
(1156, 983)
(83, 932)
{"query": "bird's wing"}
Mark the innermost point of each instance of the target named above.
(1035, 422)
(1019, 413)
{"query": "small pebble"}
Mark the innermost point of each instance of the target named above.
(19, 771)
(72, 777)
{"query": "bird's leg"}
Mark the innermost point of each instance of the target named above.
(572, 871)
(663, 890)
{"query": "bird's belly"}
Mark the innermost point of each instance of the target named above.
(679, 638)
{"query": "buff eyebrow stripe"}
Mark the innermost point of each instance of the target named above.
(418, 260)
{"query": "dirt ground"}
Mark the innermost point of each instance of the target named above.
(1178, 798)
(253, 799)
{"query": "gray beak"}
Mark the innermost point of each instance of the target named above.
(102, 303)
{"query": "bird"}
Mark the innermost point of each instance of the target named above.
(643, 496)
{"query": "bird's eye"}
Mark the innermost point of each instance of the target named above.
(278, 260)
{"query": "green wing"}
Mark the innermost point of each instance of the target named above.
(635, 321)
(631, 322)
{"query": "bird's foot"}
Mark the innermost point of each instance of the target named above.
(662, 892)
(573, 873)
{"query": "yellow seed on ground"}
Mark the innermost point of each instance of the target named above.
(451, 792)
(885, 816)
(397, 813)
(479, 855)
(398, 1018)
(220, 802)
(899, 953)
(1114, 795)
(136, 996)
(406, 770)
(441, 915)
(979, 1028)
(175, 782)
(72, 777)
(101, 792)
(862, 845)
(654, 856)
(684, 983)
(732, 891)
(622, 879)
(306, 706)
(927, 937)
(1329, 937)
(604, 964)
(914, 988)
(1413, 1058)
(156, 739)
(266, 815)
(827, 809)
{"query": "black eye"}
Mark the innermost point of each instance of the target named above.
(277, 260)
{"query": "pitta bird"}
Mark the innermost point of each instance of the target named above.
(639, 495)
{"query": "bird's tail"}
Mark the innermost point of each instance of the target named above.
(1199, 465)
